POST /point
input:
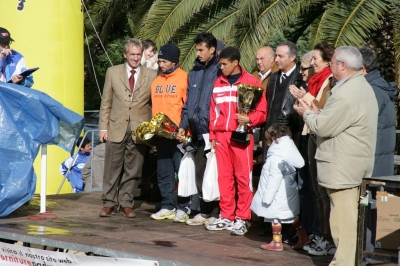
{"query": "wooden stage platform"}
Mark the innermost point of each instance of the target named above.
(77, 226)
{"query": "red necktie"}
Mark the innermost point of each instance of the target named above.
(132, 80)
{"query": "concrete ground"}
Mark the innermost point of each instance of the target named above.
(74, 224)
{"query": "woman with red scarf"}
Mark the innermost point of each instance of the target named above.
(318, 86)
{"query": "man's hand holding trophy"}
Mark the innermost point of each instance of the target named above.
(162, 126)
(248, 98)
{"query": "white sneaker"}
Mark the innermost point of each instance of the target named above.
(320, 248)
(314, 240)
(163, 214)
(181, 217)
(220, 224)
(239, 228)
(199, 219)
(210, 220)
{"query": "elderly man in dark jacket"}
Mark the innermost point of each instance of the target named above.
(280, 110)
(384, 93)
(386, 137)
(196, 115)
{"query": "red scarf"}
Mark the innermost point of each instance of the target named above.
(315, 82)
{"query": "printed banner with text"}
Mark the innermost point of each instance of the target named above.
(12, 255)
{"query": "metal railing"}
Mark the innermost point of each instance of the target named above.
(43, 183)
(91, 161)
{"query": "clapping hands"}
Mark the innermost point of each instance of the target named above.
(304, 105)
(296, 92)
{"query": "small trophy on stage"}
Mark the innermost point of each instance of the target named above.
(145, 134)
(248, 98)
(161, 125)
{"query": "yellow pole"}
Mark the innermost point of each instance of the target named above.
(50, 35)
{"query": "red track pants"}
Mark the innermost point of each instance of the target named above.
(235, 160)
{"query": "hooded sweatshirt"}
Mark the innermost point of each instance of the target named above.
(277, 195)
(76, 163)
(386, 135)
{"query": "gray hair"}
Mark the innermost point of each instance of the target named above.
(351, 56)
(369, 59)
(132, 42)
(307, 57)
(292, 47)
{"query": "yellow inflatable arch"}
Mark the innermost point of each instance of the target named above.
(50, 36)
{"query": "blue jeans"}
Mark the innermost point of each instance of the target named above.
(168, 161)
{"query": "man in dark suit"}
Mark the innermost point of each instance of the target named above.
(280, 110)
(125, 104)
(280, 101)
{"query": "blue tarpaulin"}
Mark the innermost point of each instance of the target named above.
(29, 118)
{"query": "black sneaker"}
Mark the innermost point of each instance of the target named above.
(291, 240)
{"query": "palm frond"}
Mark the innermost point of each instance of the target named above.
(315, 31)
(136, 14)
(165, 17)
(216, 20)
(116, 15)
(349, 22)
(97, 11)
(103, 17)
(395, 15)
(254, 27)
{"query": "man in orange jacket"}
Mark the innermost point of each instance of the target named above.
(168, 94)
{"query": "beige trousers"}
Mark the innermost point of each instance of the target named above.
(343, 222)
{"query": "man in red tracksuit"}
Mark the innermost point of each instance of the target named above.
(234, 159)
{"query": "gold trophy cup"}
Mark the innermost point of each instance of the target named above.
(248, 98)
(145, 134)
(161, 125)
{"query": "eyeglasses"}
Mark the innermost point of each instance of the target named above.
(305, 68)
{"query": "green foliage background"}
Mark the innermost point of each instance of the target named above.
(245, 24)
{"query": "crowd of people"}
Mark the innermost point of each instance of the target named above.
(326, 124)
(320, 119)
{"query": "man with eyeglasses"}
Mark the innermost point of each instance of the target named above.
(347, 132)
(385, 93)
(12, 63)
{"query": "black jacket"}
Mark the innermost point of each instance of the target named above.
(196, 111)
(288, 115)
(386, 135)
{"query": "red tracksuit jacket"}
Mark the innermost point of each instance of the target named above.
(235, 160)
(223, 108)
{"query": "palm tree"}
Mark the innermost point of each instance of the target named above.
(245, 24)
(179, 21)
